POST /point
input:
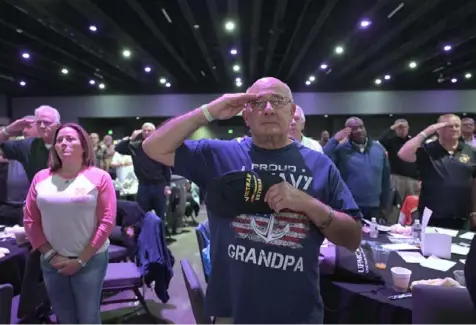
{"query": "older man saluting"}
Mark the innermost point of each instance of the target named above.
(297, 126)
(241, 286)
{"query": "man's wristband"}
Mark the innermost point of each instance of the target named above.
(423, 134)
(5, 131)
(207, 114)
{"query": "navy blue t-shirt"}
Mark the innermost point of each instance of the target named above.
(265, 267)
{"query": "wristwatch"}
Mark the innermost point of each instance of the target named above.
(329, 219)
(81, 262)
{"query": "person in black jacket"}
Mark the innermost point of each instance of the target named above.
(153, 177)
(404, 175)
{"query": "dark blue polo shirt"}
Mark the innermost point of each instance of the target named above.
(446, 180)
(31, 153)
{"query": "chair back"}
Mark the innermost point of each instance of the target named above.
(415, 215)
(33, 291)
(201, 246)
(6, 296)
(442, 305)
(195, 293)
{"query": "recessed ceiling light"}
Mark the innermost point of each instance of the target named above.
(196, 26)
(387, 77)
(239, 84)
(412, 65)
(102, 86)
(339, 50)
(312, 78)
(168, 85)
(468, 75)
(22, 83)
(378, 81)
(324, 66)
(162, 80)
(365, 23)
(229, 26)
(64, 71)
(454, 80)
(447, 48)
(25, 55)
(147, 69)
(308, 82)
(236, 68)
(238, 79)
(233, 51)
(126, 53)
(92, 82)
(93, 28)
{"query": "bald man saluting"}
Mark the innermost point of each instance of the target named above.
(244, 284)
(364, 167)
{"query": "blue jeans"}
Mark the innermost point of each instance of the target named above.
(76, 299)
(152, 197)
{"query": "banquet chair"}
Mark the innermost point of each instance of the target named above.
(117, 253)
(124, 277)
(442, 305)
(32, 304)
(195, 292)
(6, 296)
(201, 246)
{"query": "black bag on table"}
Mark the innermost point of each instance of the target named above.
(356, 267)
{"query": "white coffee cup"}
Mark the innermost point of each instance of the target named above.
(20, 235)
(401, 278)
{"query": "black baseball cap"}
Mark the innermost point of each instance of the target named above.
(240, 192)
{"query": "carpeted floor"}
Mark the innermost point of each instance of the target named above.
(177, 310)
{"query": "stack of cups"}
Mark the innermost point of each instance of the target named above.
(401, 278)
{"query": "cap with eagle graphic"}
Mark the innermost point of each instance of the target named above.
(240, 192)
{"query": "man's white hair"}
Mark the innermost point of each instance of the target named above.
(300, 111)
(148, 125)
(50, 110)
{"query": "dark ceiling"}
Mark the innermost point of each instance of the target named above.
(185, 43)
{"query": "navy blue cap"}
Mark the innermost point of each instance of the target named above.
(240, 192)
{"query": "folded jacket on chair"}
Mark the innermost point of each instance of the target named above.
(240, 192)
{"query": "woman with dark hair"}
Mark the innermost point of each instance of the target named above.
(69, 214)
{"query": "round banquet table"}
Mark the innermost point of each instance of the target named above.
(12, 266)
(352, 303)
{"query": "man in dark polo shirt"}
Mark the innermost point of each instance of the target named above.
(154, 177)
(404, 175)
(32, 153)
(446, 168)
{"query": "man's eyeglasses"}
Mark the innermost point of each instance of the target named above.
(45, 123)
(276, 103)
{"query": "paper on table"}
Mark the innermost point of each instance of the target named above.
(400, 247)
(449, 232)
(469, 235)
(425, 219)
(463, 261)
(400, 236)
(411, 257)
(458, 249)
(437, 264)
